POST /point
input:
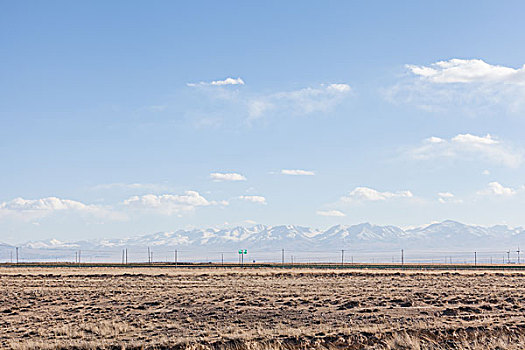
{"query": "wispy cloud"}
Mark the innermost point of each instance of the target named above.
(254, 199)
(157, 108)
(299, 102)
(335, 213)
(227, 177)
(297, 172)
(220, 105)
(363, 194)
(471, 85)
(467, 146)
(227, 81)
(132, 186)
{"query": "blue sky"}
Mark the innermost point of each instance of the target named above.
(128, 117)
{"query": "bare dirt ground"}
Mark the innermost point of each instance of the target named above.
(114, 308)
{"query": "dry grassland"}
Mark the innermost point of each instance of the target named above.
(259, 309)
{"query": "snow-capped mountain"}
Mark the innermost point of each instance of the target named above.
(258, 236)
(455, 234)
(50, 244)
(445, 235)
(362, 234)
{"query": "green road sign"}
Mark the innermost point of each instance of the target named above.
(240, 251)
(245, 251)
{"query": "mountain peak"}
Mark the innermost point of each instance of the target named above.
(446, 234)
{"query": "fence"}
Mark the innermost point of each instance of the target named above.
(343, 256)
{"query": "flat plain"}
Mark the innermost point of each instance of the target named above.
(234, 308)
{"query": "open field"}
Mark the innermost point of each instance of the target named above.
(83, 308)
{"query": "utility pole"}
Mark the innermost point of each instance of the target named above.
(17, 255)
(342, 257)
(149, 256)
(283, 257)
(76, 257)
(475, 258)
(79, 252)
(126, 256)
(508, 256)
(518, 251)
(176, 257)
(222, 259)
(402, 257)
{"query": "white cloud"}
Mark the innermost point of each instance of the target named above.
(336, 213)
(339, 87)
(168, 204)
(360, 194)
(38, 208)
(474, 140)
(254, 199)
(467, 146)
(227, 177)
(47, 204)
(496, 189)
(297, 172)
(447, 197)
(468, 71)
(485, 172)
(434, 139)
(227, 81)
(471, 85)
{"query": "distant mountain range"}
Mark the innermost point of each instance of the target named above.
(448, 234)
